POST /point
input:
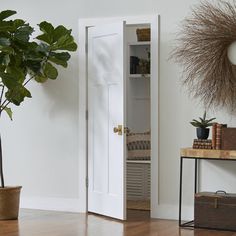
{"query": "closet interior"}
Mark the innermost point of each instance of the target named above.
(138, 135)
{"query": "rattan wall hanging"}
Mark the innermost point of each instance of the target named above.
(202, 46)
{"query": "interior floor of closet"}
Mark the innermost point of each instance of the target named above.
(138, 205)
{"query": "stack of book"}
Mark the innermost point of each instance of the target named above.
(217, 135)
(202, 144)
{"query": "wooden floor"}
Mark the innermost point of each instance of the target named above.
(49, 223)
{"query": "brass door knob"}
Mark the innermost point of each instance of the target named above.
(118, 129)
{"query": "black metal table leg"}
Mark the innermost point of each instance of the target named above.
(189, 224)
(180, 189)
(196, 176)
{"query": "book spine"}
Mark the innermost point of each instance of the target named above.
(214, 136)
(218, 136)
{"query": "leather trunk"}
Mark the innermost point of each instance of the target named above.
(215, 211)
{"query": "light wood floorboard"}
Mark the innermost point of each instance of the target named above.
(49, 223)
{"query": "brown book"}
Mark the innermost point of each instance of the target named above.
(229, 138)
(218, 136)
(213, 131)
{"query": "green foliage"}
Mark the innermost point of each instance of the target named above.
(23, 58)
(203, 122)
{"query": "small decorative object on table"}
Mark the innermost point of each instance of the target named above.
(202, 130)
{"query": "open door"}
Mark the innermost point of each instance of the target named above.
(106, 139)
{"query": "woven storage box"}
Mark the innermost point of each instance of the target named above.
(143, 34)
(215, 211)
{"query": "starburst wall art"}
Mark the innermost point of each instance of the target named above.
(202, 50)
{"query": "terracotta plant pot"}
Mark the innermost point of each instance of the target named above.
(9, 203)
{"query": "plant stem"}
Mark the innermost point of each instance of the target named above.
(3, 87)
(1, 169)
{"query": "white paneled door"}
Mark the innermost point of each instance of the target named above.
(106, 152)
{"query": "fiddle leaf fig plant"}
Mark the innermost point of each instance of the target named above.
(23, 58)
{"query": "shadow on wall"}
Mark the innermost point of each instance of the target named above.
(63, 95)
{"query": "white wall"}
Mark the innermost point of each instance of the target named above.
(40, 146)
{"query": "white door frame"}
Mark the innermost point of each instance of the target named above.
(83, 26)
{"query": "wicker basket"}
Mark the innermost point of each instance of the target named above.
(9, 203)
(143, 34)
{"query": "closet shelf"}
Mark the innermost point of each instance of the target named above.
(138, 161)
(139, 76)
(139, 43)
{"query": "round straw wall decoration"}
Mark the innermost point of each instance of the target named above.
(202, 49)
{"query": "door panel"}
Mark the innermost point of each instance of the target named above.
(106, 152)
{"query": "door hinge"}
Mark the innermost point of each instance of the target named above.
(86, 115)
(87, 182)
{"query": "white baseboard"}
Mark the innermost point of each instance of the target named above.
(54, 204)
(171, 212)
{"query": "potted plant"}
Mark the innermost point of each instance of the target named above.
(23, 59)
(202, 124)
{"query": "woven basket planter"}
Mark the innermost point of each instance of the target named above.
(9, 202)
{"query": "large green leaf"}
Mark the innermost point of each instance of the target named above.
(4, 59)
(8, 111)
(7, 49)
(40, 78)
(5, 41)
(7, 13)
(5, 45)
(2, 68)
(50, 71)
(8, 80)
(45, 38)
(17, 73)
(65, 42)
(17, 94)
(59, 58)
(59, 32)
(46, 27)
(23, 33)
(6, 26)
(43, 47)
(33, 65)
(18, 22)
(16, 59)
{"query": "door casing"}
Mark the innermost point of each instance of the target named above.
(84, 24)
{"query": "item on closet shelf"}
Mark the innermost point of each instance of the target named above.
(134, 63)
(144, 66)
(143, 34)
(139, 146)
(215, 210)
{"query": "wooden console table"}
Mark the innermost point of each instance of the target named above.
(197, 155)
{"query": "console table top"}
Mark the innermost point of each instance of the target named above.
(208, 153)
